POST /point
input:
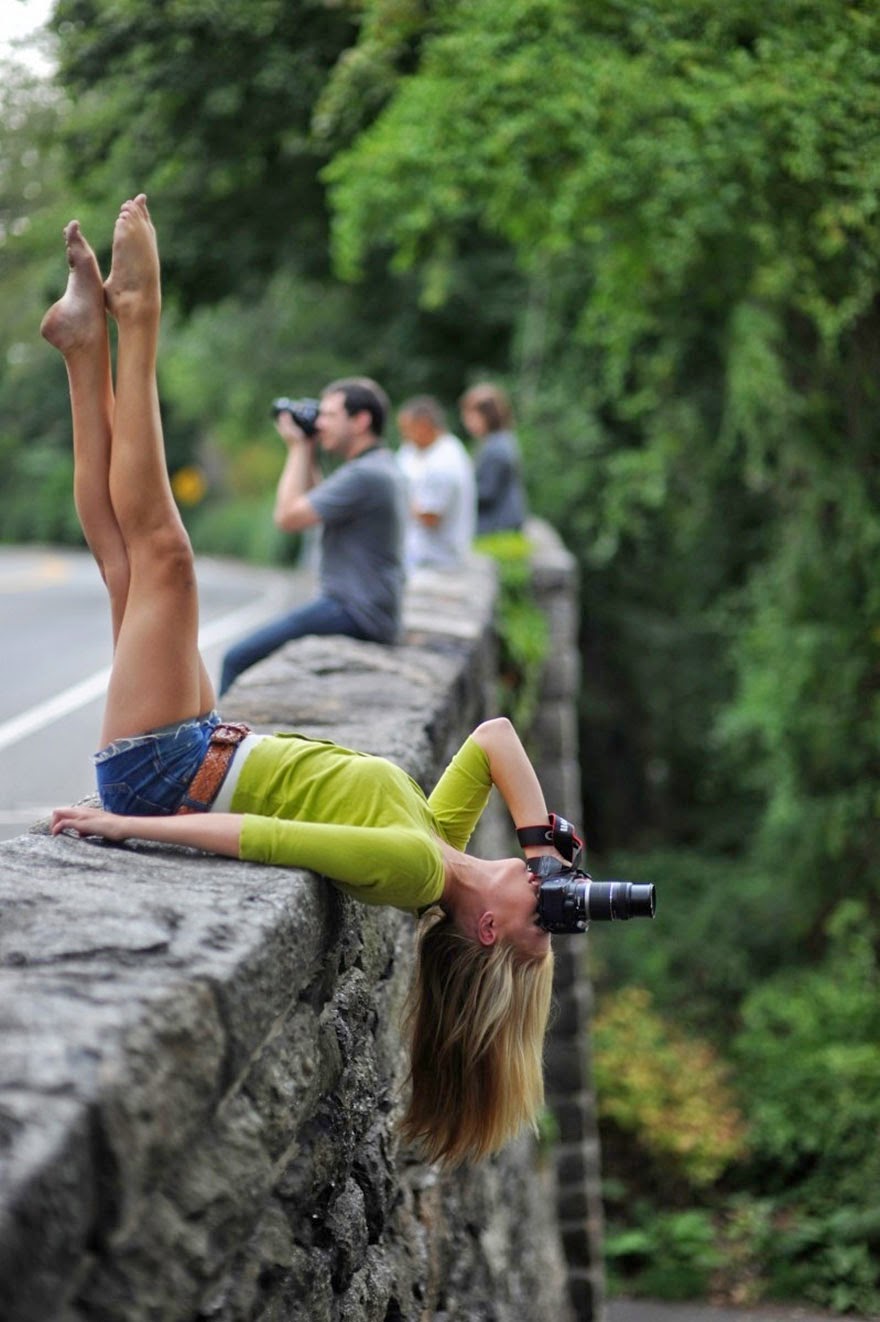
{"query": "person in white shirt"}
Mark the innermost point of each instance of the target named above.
(441, 487)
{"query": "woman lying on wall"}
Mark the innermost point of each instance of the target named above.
(171, 771)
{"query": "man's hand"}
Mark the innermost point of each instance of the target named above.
(287, 429)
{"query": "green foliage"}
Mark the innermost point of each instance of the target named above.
(35, 496)
(806, 1061)
(206, 107)
(243, 528)
(694, 215)
(808, 1055)
(668, 1089)
(38, 504)
(522, 628)
(805, 718)
(722, 926)
(775, 1248)
(662, 1255)
(672, 131)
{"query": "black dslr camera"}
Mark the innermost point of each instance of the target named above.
(568, 898)
(303, 411)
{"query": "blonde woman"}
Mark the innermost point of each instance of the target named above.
(170, 770)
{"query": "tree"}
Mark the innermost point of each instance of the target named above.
(207, 108)
(34, 415)
(692, 193)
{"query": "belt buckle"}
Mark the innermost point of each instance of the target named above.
(229, 733)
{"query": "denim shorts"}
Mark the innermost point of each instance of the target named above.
(148, 775)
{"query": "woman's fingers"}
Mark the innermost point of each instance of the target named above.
(86, 821)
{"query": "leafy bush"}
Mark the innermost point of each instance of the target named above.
(804, 1133)
(37, 503)
(663, 1255)
(667, 1089)
(809, 1053)
(241, 527)
(808, 1061)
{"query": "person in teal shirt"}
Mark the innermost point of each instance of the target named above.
(170, 770)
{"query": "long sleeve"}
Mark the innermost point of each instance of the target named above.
(461, 794)
(393, 865)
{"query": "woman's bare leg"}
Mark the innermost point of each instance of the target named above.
(77, 326)
(158, 675)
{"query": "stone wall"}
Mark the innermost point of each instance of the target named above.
(200, 1060)
(553, 744)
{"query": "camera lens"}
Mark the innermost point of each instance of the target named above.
(569, 900)
(618, 900)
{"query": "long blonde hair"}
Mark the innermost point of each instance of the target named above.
(477, 1019)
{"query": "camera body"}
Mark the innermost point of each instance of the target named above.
(569, 900)
(303, 411)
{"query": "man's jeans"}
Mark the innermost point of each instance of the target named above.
(322, 616)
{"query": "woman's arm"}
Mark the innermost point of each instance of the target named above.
(217, 833)
(380, 865)
(512, 771)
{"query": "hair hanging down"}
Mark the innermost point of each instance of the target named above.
(477, 1018)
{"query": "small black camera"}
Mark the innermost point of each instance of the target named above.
(569, 900)
(303, 411)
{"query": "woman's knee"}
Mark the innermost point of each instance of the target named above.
(165, 552)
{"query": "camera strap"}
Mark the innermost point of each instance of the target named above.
(558, 832)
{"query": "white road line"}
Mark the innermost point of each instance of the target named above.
(54, 709)
(87, 690)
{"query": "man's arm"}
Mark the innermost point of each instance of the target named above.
(293, 509)
(433, 496)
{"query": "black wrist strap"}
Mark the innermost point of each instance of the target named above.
(558, 833)
(535, 835)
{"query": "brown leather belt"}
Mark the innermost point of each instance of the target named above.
(205, 784)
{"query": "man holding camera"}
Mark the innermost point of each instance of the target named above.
(361, 509)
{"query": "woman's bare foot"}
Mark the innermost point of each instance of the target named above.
(78, 319)
(132, 289)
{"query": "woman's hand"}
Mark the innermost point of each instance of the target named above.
(215, 832)
(90, 821)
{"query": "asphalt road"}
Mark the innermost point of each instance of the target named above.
(55, 654)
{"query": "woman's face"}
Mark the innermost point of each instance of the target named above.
(514, 903)
(474, 422)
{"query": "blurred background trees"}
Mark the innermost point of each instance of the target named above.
(656, 221)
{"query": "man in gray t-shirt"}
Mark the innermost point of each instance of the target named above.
(361, 509)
